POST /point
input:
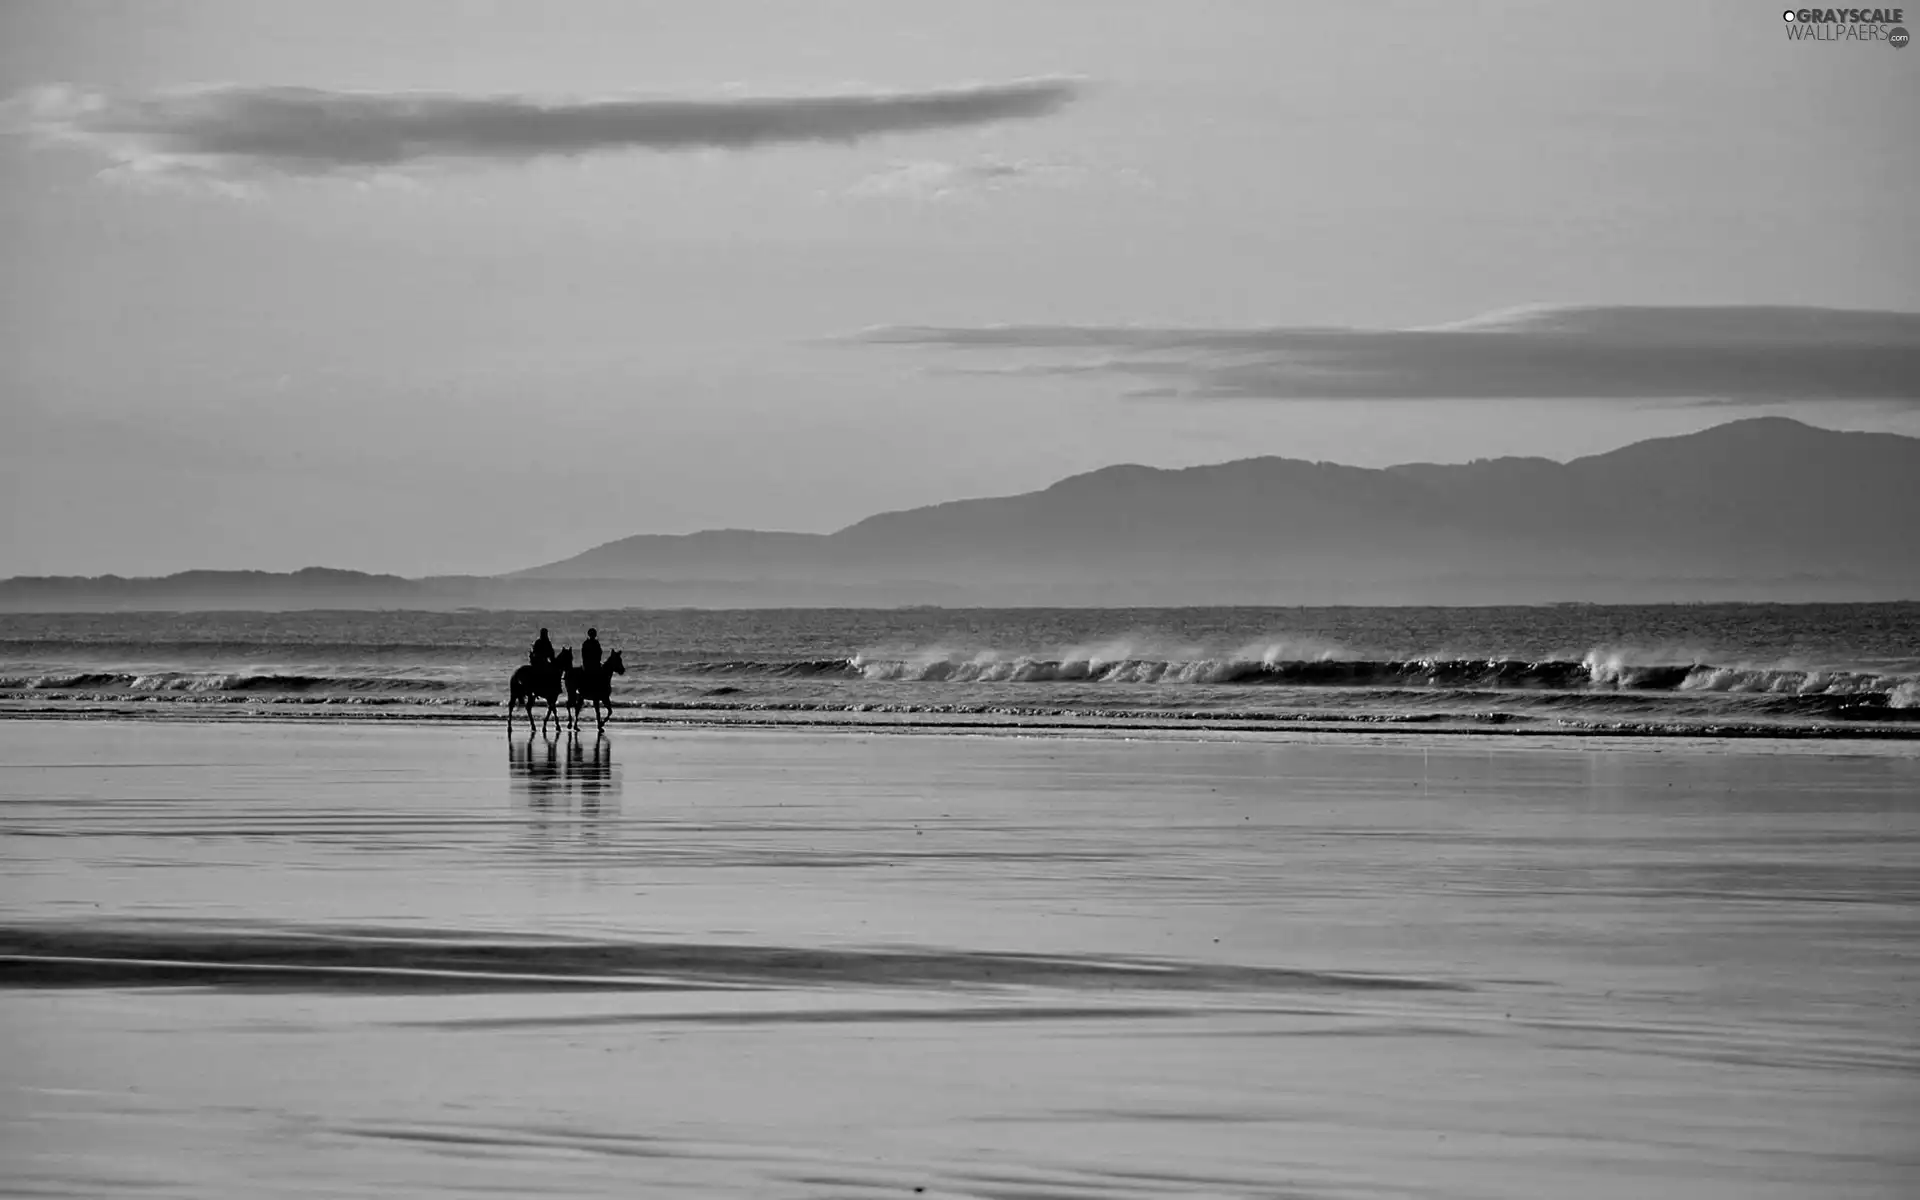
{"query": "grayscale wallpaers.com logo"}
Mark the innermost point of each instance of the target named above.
(1847, 25)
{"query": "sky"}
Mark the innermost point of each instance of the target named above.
(466, 287)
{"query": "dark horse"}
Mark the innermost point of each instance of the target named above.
(545, 682)
(584, 685)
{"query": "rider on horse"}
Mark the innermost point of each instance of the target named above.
(546, 674)
(592, 681)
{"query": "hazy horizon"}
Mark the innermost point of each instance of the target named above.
(393, 290)
(773, 566)
(1690, 519)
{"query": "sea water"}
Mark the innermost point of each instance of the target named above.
(1773, 669)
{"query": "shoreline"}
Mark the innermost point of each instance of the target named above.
(1207, 727)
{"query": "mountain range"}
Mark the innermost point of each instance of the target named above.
(1760, 509)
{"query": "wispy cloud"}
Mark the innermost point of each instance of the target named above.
(1734, 353)
(934, 181)
(249, 132)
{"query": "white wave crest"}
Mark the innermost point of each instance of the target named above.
(1782, 681)
(1127, 658)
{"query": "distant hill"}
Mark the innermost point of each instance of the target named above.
(1761, 509)
(313, 587)
(262, 591)
(1767, 508)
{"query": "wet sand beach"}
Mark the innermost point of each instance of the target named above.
(374, 960)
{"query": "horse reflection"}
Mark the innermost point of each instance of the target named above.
(536, 772)
(591, 771)
(546, 775)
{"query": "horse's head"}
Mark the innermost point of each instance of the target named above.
(564, 659)
(614, 665)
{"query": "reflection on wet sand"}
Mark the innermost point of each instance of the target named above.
(241, 961)
(552, 770)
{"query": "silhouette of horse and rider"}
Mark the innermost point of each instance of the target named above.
(546, 674)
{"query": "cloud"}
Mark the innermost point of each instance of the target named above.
(246, 132)
(1739, 354)
(928, 180)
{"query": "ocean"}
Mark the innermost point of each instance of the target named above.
(1819, 670)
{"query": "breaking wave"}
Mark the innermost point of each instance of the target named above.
(220, 682)
(1799, 691)
(1595, 672)
(810, 668)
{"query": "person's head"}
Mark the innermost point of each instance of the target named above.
(543, 631)
(593, 633)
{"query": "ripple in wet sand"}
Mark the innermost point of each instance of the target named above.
(362, 958)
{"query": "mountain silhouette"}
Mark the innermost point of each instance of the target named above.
(1759, 509)
(1764, 502)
